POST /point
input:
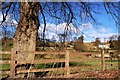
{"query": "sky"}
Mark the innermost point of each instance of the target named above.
(104, 30)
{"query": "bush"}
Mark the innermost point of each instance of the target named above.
(79, 46)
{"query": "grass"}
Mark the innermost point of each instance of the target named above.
(112, 60)
(4, 67)
(5, 56)
(3, 75)
(57, 65)
(49, 65)
(0, 47)
(72, 64)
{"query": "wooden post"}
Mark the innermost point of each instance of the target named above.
(102, 60)
(12, 65)
(67, 63)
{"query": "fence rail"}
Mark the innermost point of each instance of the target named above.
(18, 58)
(28, 57)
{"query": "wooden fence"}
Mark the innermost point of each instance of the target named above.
(28, 57)
(18, 58)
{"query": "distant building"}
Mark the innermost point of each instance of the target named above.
(104, 46)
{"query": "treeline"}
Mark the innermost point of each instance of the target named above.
(6, 44)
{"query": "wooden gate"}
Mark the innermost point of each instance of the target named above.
(26, 57)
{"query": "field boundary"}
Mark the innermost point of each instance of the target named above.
(14, 62)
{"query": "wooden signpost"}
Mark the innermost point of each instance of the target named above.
(103, 47)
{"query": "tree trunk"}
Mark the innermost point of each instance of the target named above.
(26, 33)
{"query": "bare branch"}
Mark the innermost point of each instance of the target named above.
(114, 16)
(7, 5)
(44, 25)
(87, 10)
(105, 7)
(14, 4)
(72, 16)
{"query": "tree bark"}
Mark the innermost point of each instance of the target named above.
(26, 32)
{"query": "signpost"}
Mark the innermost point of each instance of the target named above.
(103, 47)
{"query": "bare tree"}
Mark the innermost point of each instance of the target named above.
(62, 38)
(27, 29)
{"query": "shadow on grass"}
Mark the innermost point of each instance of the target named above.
(112, 60)
(58, 65)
